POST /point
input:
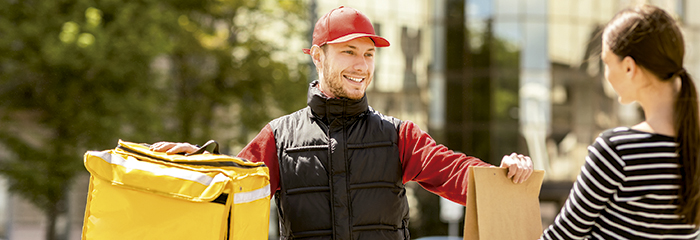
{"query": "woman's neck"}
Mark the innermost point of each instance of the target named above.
(658, 104)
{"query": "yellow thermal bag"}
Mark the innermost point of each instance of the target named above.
(136, 193)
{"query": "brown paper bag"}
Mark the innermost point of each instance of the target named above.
(499, 209)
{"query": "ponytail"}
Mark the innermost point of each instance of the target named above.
(688, 136)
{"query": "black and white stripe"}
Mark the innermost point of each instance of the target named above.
(627, 189)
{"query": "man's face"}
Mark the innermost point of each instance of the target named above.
(347, 68)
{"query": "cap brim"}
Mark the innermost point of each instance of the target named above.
(378, 41)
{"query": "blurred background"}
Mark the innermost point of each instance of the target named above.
(483, 77)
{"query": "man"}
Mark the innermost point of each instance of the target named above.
(338, 167)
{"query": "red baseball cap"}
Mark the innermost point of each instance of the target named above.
(344, 24)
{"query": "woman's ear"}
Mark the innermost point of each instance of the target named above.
(630, 67)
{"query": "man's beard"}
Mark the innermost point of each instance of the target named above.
(334, 82)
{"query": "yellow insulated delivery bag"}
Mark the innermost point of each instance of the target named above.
(136, 193)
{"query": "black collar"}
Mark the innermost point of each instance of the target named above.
(330, 108)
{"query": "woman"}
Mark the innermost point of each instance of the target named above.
(641, 182)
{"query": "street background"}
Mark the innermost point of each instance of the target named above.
(483, 77)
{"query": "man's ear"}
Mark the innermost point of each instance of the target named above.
(317, 56)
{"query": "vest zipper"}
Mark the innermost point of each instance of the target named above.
(344, 148)
(330, 172)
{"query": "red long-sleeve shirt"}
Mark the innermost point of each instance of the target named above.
(433, 166)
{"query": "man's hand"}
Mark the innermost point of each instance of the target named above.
(519, 167)
(173, 148)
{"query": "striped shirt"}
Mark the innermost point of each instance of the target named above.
(627, 189)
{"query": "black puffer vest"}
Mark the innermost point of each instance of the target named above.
(340, 172)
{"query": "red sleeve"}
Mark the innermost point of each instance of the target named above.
(434, 167)
(263, 148)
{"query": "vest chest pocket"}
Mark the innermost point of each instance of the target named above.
(304, 166)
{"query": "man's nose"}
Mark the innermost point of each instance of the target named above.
(362, 64)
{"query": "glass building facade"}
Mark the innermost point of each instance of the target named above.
(497, 76)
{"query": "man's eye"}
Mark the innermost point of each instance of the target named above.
(348, 52)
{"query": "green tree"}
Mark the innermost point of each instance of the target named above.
(77, 75)
(235, 56)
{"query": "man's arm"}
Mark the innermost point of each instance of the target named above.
(435, 167)
(442, 171)
(261, 149)
(264, 149)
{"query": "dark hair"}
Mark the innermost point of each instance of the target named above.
(651, 37)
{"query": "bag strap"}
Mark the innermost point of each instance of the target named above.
(204, 147)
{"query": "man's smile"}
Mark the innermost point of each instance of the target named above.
(354, 79)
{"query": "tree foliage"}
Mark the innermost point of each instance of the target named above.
(77, 75)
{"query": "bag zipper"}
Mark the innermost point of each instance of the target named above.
(211, 163)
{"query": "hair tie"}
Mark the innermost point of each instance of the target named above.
(679, 72)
